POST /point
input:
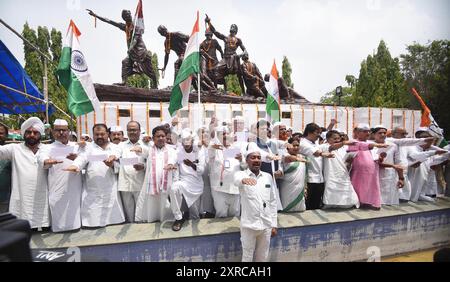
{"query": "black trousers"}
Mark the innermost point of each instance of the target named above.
(314, 196)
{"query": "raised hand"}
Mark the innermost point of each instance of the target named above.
(217, 147)
(170, 167)
(72, 156)
(274, 157)
(91, 13)
(327, 155)
(249, 181)
(378, 145)
(138, 167)
(110, 161)
(278, 174)
(400, 183)
(72, 168)
(52, 162)
(82, 144)
(136, 149)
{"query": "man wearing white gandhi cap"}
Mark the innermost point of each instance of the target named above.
(64, 189)
(259, 207)
(29, 196)
(189, 187)
(223, 166)
(116, 134)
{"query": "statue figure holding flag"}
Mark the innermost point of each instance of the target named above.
(230, 64)
(139, 60)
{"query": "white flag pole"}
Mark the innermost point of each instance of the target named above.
(200, 113)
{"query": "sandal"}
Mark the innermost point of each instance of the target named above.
(177, 225)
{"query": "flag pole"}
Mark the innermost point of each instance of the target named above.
(199, 86)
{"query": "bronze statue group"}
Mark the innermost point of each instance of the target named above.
(213, 72)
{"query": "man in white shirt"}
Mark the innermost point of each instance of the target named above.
(29, 188)
(404, 149)
(189, 187)
(419, 171)
(64, 189)
(131, 176)
(310, 149)
(222, 170)
(259, 207)
(100, 203)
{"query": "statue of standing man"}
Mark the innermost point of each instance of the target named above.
(139, 59)
(175, 41)
(230, 64)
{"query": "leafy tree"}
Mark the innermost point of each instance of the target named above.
(49, 43)
(233, 84)
(286, 72)
(427, 68)
(332, 99)
(380, 82)
(142, 80)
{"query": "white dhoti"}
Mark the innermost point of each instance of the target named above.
(388, 187)
(151, 208)
(183, 190)
(405, 193)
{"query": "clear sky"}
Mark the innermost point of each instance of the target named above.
(323, 39)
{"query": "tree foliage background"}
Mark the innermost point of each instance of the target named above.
(286, 70)
(384, 81)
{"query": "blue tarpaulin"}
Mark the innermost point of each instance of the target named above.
(14, 76)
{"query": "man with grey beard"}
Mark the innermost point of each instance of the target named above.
(29, 193)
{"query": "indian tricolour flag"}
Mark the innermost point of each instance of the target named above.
(428, 121)
(273, 99)
(190, 66)
(138, 20)
(74, 76)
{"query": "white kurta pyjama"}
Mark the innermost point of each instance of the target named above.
(29, 188)
(100, 204)
(64, 190)
(153, 206)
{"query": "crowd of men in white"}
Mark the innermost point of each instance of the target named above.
(223, 170)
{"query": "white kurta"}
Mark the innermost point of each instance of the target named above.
(190, 181)
(404, 148)
(29, 187)
(64, 190)
(315, 164)
(418, 176)
(130, 179)
(152, 207)
(258, 203)
(224, 192)
(100, 204)
(388, 176)
(339, 191)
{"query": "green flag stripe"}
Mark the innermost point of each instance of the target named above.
(77, 100)
(189, 66)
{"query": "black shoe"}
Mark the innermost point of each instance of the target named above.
(207, 215)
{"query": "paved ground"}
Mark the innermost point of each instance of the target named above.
(423, 256)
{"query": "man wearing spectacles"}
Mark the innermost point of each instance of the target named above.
(64, 188)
